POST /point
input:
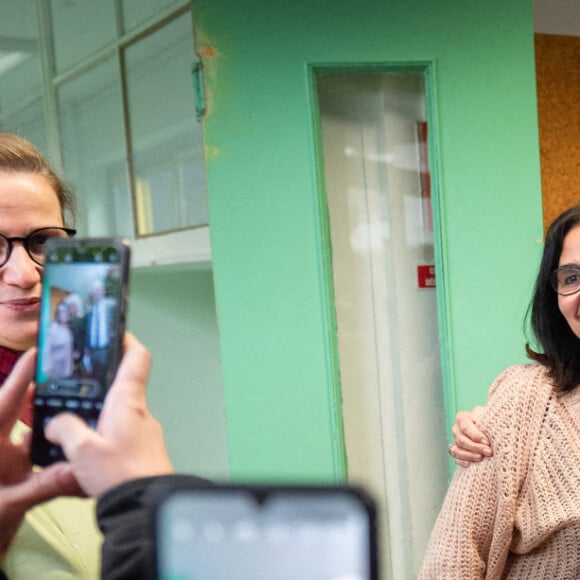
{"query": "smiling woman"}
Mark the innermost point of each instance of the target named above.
(567, 280)
(60, 536)
(491, 524)
(28, 201)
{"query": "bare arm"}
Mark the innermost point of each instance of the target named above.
(470, 444)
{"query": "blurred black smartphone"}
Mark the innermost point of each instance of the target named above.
(82, 322)
(271, 532)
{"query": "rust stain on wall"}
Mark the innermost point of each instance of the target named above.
(208, 54)
(207, 51)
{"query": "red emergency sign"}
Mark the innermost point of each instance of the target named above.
(426, 276)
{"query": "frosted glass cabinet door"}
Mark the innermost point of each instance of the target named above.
(80, 29)
(21, 107)
(91, 124)
(169, 173)
(377, 183)
(129, 133)
(135, 12)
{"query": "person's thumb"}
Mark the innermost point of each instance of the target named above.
(70, 432)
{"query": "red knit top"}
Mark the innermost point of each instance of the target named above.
(8, 359)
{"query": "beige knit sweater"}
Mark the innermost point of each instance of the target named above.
(517, 514)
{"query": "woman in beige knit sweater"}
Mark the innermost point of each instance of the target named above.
(517, 514)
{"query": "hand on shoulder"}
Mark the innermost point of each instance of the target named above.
(469, 443)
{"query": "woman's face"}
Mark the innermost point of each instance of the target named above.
(570, 256)
(27, 203)
(62, 314)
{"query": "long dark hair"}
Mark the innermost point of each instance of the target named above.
(560, 347)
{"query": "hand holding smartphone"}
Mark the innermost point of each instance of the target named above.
(82, 322)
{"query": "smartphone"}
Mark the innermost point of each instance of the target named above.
(220, 532)
(82, 322)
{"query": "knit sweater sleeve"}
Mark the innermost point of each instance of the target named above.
(473, 532)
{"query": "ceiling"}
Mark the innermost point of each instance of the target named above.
(557, 17)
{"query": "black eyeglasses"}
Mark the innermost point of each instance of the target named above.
(566, 280)
(34, 243)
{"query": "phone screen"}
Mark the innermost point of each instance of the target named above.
(281, 533)
(82, 321)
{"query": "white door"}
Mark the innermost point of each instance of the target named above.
(373, 133)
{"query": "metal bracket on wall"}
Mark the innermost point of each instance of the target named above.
(198, 89)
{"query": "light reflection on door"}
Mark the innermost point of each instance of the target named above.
(381, 230)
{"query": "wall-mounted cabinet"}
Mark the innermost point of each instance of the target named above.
(105, 90)
(182, 247)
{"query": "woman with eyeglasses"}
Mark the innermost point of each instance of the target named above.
(516, 514)
(58, 539)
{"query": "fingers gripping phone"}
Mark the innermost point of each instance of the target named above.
(271, 532)
(82, 322)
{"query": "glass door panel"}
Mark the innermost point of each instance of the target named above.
(374, 131)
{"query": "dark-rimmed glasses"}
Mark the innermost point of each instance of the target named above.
(566, 280)
(34, 243)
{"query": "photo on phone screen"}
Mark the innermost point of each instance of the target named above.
(82, 321)
(253, 533)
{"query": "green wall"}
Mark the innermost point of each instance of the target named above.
(267, 212)
(172, 311)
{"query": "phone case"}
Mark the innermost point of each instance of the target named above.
(82, 322)
(205, 532)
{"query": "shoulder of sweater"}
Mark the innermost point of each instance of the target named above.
(522, 380)
(517, 404)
